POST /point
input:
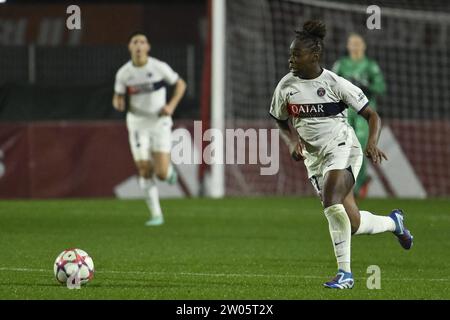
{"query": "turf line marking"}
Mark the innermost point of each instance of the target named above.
(218, 274)
(23, 270)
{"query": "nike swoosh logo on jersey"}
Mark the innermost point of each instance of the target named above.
(293, 93)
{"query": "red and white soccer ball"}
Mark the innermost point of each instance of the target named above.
(69, 263)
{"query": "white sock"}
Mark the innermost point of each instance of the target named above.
(372, 224)
(151, 191)
(144, 183)
(340, 231)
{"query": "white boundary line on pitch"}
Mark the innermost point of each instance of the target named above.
(216, 274)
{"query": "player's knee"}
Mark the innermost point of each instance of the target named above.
(328, 203)
(332, 195)
(144, 169)
(142, 172)
(329, 200)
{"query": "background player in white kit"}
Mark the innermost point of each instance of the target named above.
(315, 100)
(149, 120)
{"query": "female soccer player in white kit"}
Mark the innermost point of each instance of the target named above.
(315, 100)
(149, 120)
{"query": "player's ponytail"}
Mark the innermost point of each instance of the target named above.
(312, 35)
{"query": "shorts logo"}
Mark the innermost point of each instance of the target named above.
(321, 92)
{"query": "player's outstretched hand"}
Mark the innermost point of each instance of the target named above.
(166, 111)
(297, 151)
(374, 153)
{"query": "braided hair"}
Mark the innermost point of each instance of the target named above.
(312, 35)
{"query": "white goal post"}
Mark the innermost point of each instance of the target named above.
(217, 188)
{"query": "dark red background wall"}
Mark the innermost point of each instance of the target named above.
(63, 159)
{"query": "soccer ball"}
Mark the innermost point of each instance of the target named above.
(71, 261)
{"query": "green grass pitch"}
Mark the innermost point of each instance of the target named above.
(238, 248)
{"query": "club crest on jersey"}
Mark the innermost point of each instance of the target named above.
(321, 92)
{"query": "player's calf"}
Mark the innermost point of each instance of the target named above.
(164, 169)
(167, 174)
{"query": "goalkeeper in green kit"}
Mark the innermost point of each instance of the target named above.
(364, 73)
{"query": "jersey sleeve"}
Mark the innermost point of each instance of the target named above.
(351, 95)
(278, 107)
(119, 85)
(169, 76)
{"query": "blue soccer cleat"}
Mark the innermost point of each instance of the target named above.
(404, 236)
(343, 280)
(157, 221)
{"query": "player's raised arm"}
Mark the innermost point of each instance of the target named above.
(374, 121)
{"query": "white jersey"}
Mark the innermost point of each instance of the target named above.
(145, 86)
(317, 107)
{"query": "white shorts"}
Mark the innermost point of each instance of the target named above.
(343, 153)
(149, 136)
